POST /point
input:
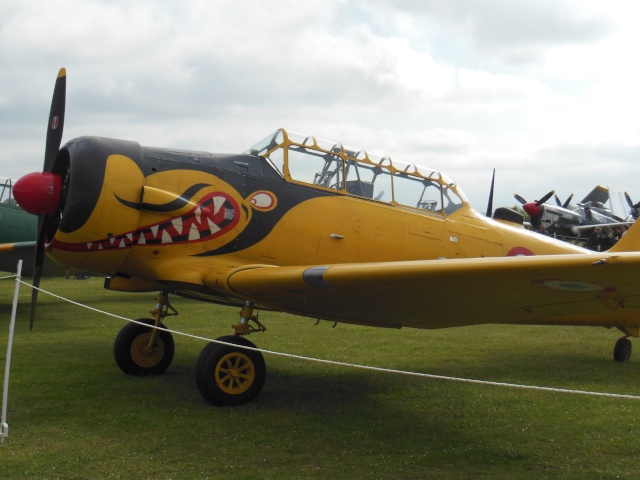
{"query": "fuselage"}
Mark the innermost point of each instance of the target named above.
(137, 213)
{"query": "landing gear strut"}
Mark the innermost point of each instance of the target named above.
(228, 374)
(142, 350)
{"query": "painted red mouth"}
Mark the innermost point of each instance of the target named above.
(216, 214)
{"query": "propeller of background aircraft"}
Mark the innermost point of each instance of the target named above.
(566, 202)
(634, 207)
(46, 204)
(490, 204)
(533, 208)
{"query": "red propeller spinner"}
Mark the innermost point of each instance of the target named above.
(38, 193)
(532, 209)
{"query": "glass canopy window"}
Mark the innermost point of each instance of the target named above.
(329, 165)
(6, 191)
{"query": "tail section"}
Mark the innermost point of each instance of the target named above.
(630, 241)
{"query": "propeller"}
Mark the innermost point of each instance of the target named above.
(545, 198)
(490, 204)
(533, 208)
(39, 193)
(566, 202)
(634, 207)
(537, 202)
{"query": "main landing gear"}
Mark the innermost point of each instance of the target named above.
(622, 350)
(229, 373)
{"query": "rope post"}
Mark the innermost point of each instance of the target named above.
(4, 427)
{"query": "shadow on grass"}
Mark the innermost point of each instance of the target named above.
(300, 385)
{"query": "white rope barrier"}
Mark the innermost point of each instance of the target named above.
(354, 365)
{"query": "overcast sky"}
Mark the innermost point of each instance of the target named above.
(545, 91)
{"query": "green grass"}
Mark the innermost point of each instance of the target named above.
(74, 415)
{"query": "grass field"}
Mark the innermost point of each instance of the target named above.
(74, 415)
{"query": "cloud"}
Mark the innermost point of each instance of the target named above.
(460, 86)
(515, 30)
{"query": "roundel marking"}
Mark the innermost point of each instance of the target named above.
(573, 286)
(519, 251)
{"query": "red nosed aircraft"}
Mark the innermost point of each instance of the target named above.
(17, 231)
(309, 227)
(568, 221)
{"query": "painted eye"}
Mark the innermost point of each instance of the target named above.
(262, 200)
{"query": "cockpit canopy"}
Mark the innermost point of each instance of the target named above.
(331, 166)
(6, 191)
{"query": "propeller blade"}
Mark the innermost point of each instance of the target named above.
(567, 202)
(629, 201)
(56, 121)
(633, 206)
(558, 202)
(519, 198)
(545, 198)
(490, 205)
(37, 274)
(52, 147)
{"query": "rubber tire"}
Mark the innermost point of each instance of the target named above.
(622, 350)
(127, 338)
(213, 358)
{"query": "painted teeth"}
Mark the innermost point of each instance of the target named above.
(177, 224)
(217, 203)
(213, 227)
(194, 234)
(193, 226)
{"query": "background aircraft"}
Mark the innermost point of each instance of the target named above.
(574, 221)
(17, 232)
(309, 227)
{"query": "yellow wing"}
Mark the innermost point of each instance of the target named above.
(10, 253)
(602, 289)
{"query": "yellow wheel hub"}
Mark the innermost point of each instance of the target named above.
(144, 356)
(235, 373)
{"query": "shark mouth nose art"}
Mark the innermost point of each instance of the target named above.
(215, 215)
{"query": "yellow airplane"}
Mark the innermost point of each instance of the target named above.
(309, 227)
